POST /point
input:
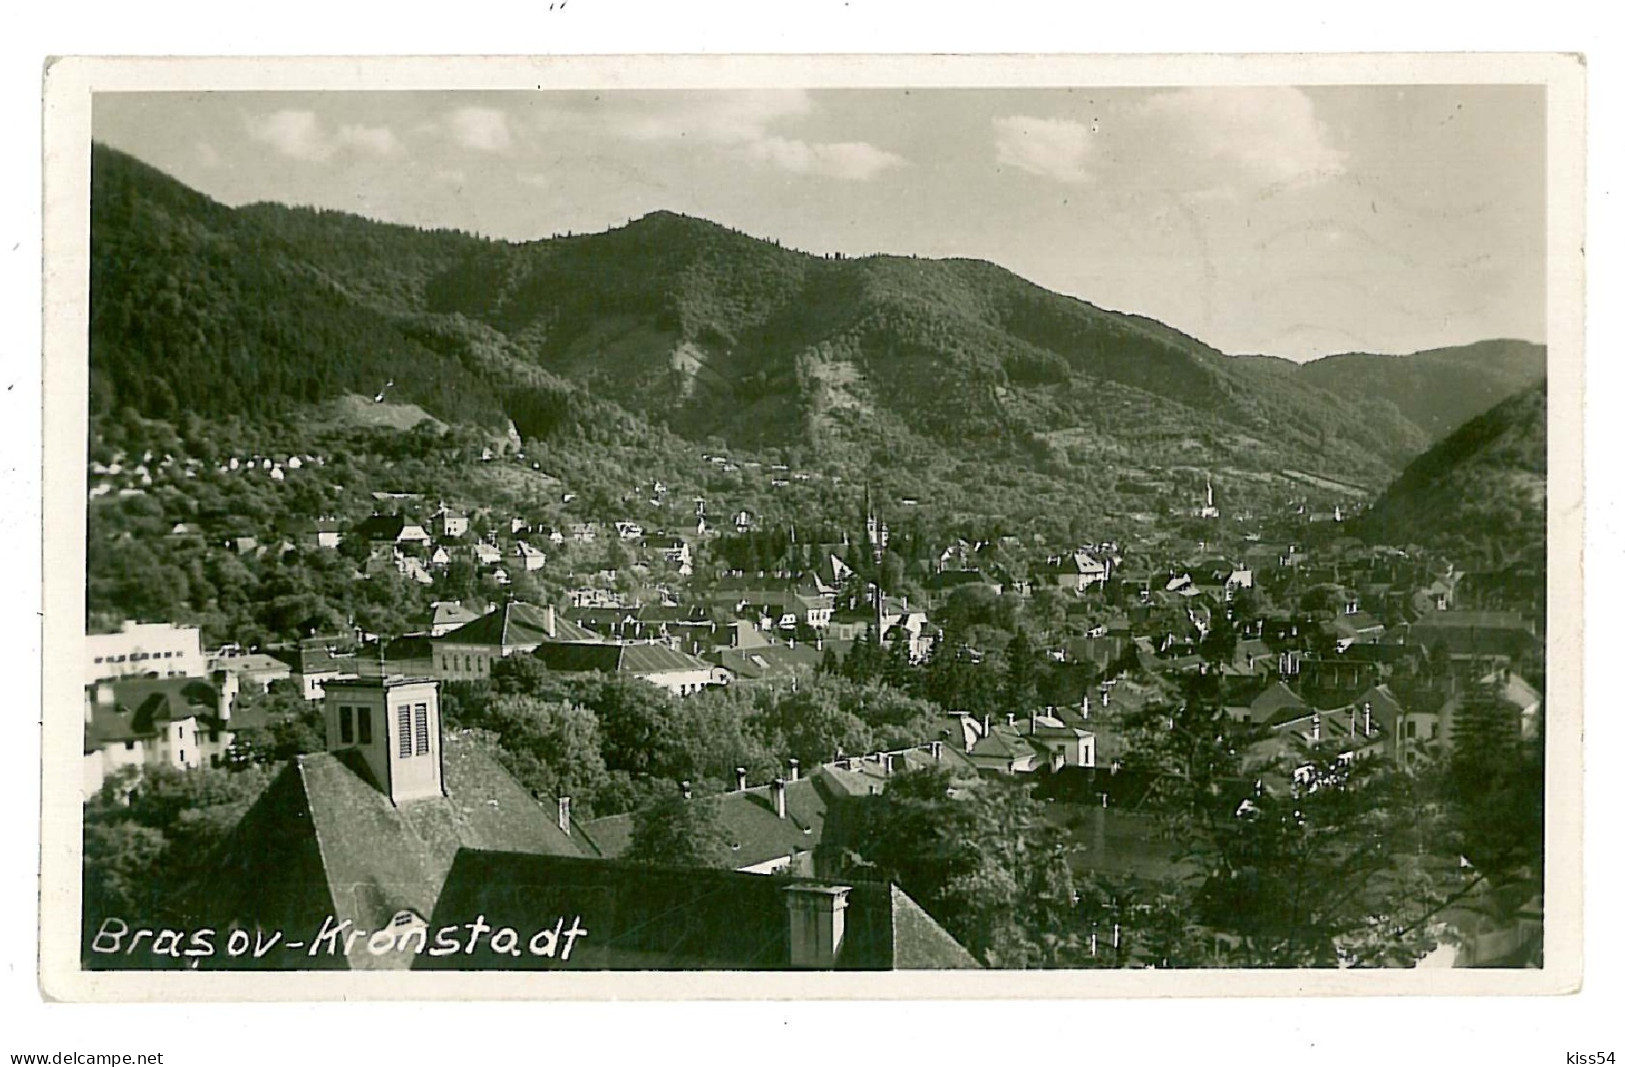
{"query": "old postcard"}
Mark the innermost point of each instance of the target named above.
(843, 527)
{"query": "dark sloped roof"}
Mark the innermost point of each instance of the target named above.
(142, 706)
(596, 655)
(323, 841)
(658, 918)
(755, 832)
(765, 661)
(1272, 701)
(580, 656)
(517, 624)
(919, 943)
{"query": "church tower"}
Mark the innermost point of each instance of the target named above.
(393, 726)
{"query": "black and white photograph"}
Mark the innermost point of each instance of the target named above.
(778, 525)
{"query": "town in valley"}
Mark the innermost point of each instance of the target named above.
(665, 597)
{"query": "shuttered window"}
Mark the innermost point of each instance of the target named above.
(346, 726)
(404, 716)
(420, 714)
(363, 725)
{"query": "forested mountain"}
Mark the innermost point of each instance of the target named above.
(1439, 389)
(723, 338)
(1481, 492)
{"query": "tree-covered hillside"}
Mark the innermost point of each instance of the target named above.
(728, 341)
(1481, 492)
(1440, 389)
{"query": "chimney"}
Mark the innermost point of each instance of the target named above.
(564, 814)
(739, 778)
(936, 750)
(1368, 718)
(795, 770)
(1010, 719)
(1314, 728)
(1086, 705)
(1032, 723)
(778, 798)
(1354, 723)
(817, 915)
(688, 790)
(549, 622)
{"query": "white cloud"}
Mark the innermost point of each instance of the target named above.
(293, 133)
(484, 129)
(849, 160)
(712, 117)
(378, 140)
(301, 135)
(1266, 133)
(1052, 148)
(742, 123)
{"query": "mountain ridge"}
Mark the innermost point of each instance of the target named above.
(688, 324)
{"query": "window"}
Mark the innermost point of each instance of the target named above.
(1410, 729)
(183, 755)
(180, 733)
(129, 746)
(346, 726)
(214, 737)
(403, 715)
(363, 725)
(1433, 731)
(420, 714)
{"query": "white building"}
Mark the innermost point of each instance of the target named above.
(145, 650)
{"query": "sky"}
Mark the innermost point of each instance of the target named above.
(1295, 222)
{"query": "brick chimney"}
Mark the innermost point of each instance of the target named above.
(564, 814)
(795, 770)
(739, 778)
(936, 750)
(779, 798)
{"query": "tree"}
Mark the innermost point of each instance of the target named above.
(980, 859)
(1020, 689)
(679, 832)
(810, 725)
(292, 725)
(554, 748)
(1299, 855)
(1496, 786)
